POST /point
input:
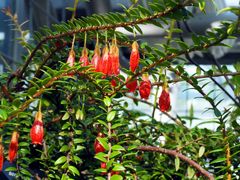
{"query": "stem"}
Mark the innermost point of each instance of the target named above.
(167, 43)
(109, 143)
(177, 121)
(85, 39)
(198, 77)
(180, 156)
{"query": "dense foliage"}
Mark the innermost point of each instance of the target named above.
(89, 130)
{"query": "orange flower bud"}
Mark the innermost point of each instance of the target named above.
(96, 59)
(134, 57)
(71, 58)
(84, 58)
(13, 147)
(105, 60)
(114, 60)
(164, 100)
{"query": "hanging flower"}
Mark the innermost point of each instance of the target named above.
(37, 131)
(113, 83)
(145, 87)
(134, 57)
(105, 60)
(97, 145)
(132, 85)
(1, 157)
(104, 166)
(164, 100)
(13, 147)
(114, 59)
(84, 58)
(96, 58)
(71, 58)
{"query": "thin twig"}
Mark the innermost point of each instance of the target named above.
(199, 77)
(177, 121)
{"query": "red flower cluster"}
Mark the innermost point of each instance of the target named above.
(37, 131)
(164, 100)
(13, 147)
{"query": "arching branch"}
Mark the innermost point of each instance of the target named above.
(180, 156)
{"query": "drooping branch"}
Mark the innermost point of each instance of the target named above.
(199, 77)
(180, 156)
(20, 72)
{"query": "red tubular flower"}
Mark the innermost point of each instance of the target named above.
(105, 60)
(1, 157)
(114, 59)
(134, 57)
(97, 146)
(164, 100)
(114, 172)
(145, 87)
(13, 147)
(104, 166)
(71, 58)
(132, 85)
(96, 60)
(113, 83)
(84, 58)
(37, 131)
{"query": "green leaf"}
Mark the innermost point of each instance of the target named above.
(201, 151)
(114, 126)
(111, 116)
(32, 91)
(99, 178)
(202, 4)
(74, 170)
(107, 101)
(65, 116)
(218, 160)
(60, 160)
(103, 123)
(101, 156)
(118, 148)
(3, 114)
(65, 177)
(103, 142)
(190, 172)
(114, 154)
(64, 148)
(11, 169)
(116, 177)
(118, 167)
(217, 112)
(177, 163)
(233, 9)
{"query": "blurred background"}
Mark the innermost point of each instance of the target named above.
(38, 13)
